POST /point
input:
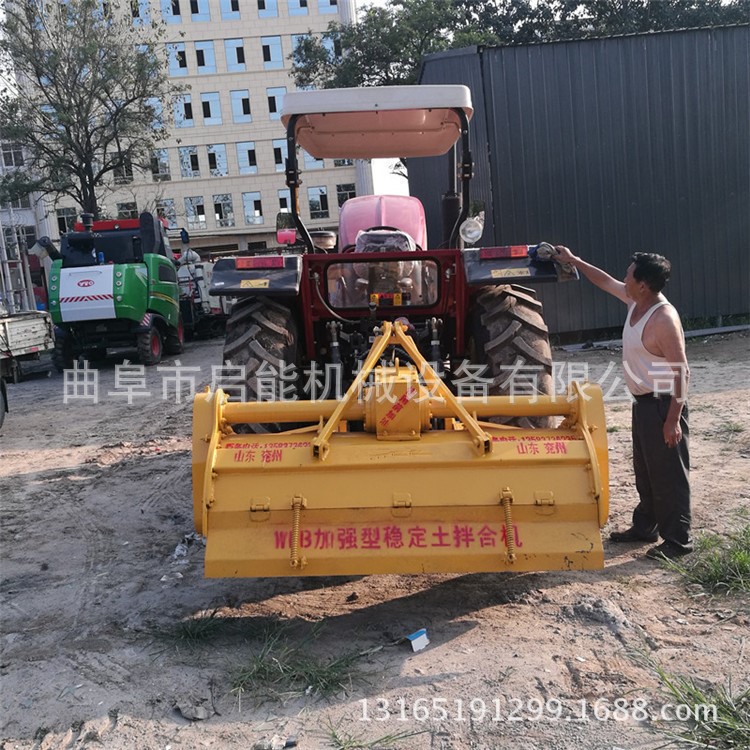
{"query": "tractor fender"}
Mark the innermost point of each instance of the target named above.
(491, 266)
(257, 276)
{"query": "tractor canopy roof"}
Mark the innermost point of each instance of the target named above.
(377, 122)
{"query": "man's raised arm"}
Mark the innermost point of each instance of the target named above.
(595, 275)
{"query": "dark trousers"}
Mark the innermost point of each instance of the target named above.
(661, 473)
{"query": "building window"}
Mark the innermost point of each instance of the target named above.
(195, 212)
(223, 210)
(297, 7)
(177, 59)
(285, 201)
(343, 162)
(275, 101)
(280, 153)
(189, 165)
(230, 10)
(240, 100)
(160, 171)
(205, 57)
(345, 191)
(328, 6)
(18, 203)
(199, 10)
(123, 173)
(318, 198)
(66, 219)
(183, 112)
(18, 236)
(165, 209)
(127, 210)
(141, 12)
(253, 208)
(12, 155)
(333, 46)
(235, 52)
(211, 108)
(268, 8)
(170, 11)
(272, 56)
(157, 109)
(297, 39)
(311, 162)
(217, 160)
(246, 158)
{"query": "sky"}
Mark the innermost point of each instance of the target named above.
(385, 183)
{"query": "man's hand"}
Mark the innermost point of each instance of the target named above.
(672, 433)
(564, 255)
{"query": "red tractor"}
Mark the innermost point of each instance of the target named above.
(460, 304)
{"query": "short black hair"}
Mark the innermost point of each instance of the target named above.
(653, 269)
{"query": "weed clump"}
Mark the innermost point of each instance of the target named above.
(719, 564)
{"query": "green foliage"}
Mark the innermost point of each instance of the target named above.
(284, 669)
(384, 48)
(719, 564)
(721, 716)
(195, 631)
(87, 103)
(386, 45)
(341, 739)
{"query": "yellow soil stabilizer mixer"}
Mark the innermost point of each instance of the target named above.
(428, 486)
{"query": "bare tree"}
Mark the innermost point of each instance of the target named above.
(92, 83)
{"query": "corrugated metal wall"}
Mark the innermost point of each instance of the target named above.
(612, 146)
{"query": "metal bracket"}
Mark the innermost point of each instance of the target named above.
(544, 498)
(402, 506)
(395, 334)
(260, 511)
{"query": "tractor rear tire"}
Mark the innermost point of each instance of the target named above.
(259, 331)
(508, 333)
(63, 356)
(150, 346)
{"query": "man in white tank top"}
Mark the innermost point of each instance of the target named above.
(656, 372)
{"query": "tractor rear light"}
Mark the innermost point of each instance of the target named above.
(272, 262)
(507, 251)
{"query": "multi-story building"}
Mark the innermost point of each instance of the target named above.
(220, 175)
(24, 220)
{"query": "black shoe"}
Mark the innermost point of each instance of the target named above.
(632, 535)
(667, 551)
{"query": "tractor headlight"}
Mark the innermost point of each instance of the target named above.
(471, 229)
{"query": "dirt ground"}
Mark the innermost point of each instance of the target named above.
(98, 570)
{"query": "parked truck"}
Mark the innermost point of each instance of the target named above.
(25, 332)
